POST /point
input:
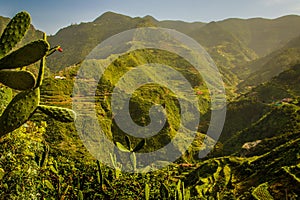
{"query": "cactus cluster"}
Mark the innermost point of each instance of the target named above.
(27, 101)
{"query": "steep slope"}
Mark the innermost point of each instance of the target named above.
(265, 68)
(233, 177)
(79, 40)
(264, 35)
(232, 43)
(269, 110)
(258, 153)
(148, 95)
(285, 85)
(226, 50)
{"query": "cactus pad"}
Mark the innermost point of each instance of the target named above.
(6, 97)
(19, 110)
(18, 80)
(25, 103)
(26, 55)
(14, 32)
(58, 113)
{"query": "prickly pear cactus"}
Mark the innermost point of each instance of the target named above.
(58, 113)
(24, 104)
(18, 80)
(26, 55)
(14, 32)
(5, 96)
(19, 110)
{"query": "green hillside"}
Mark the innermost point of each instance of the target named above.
(263, 35)
(225, 48)
(283, 57)
(264, 69)
(87, 36)
(269, 110)
(256, 157)
(285, 85)
(181, 26)
(241, 48)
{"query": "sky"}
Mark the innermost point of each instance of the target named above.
(52, 15)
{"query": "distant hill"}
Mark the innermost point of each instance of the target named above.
(181, 26)
(263, 69)
(260, 35)
(3, 22)
(78, 40)
(264, 35)
(232, 43)
(247, 51)
(225, 48)
(268, 110)
(285, 85)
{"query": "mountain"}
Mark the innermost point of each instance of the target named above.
(181, 26)
(3, 22)
(258, 147)
(285, 85)
(264, 69)
(78, 40)
(225, 48)
(232, 43)
(269, 110)
(264, 36)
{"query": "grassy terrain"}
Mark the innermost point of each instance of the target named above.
(256, 157)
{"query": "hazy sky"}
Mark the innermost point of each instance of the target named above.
(52, 15)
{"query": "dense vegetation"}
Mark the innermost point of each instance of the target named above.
(256, 157)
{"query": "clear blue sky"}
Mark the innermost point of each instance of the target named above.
(51, 15)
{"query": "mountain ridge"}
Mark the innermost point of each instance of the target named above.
(110, 20)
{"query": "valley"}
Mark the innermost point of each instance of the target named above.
(257, 155)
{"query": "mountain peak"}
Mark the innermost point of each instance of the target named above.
(110, 16)
(149, 17)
